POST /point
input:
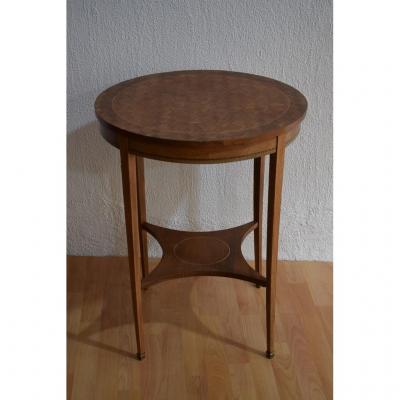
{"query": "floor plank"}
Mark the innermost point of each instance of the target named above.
(204, 336)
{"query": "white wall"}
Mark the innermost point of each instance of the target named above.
(111, 41)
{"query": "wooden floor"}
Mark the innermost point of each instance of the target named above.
(205, 336)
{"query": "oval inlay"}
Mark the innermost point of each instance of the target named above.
(202, 250)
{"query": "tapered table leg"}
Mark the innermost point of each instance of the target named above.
(142, 215)
(130, 186)
(274, 208)
(258, 196)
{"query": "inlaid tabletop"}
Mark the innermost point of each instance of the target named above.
(200, 107)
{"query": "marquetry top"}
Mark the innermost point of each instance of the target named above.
(200, 116)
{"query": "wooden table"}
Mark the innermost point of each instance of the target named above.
(201, 117)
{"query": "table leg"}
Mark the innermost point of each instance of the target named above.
(258, 196)
(142, 215)
(274, 207)
(130, 186)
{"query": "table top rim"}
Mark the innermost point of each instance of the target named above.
(297, 109)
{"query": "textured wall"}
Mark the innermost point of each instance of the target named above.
(110, 41)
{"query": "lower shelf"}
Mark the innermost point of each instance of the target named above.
(215, 253)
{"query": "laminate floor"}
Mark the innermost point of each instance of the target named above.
(204, 336)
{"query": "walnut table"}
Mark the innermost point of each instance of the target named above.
(201, 117)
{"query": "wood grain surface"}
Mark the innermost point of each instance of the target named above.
(200, 115)
(205, 336)
(215, 253)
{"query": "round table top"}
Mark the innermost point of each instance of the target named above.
(210, 111)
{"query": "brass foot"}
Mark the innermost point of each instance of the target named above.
(140, 356)
(270, 354)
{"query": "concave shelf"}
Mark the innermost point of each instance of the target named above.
(213, 253)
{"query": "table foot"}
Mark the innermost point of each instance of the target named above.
(270, 354)
(140, 356)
